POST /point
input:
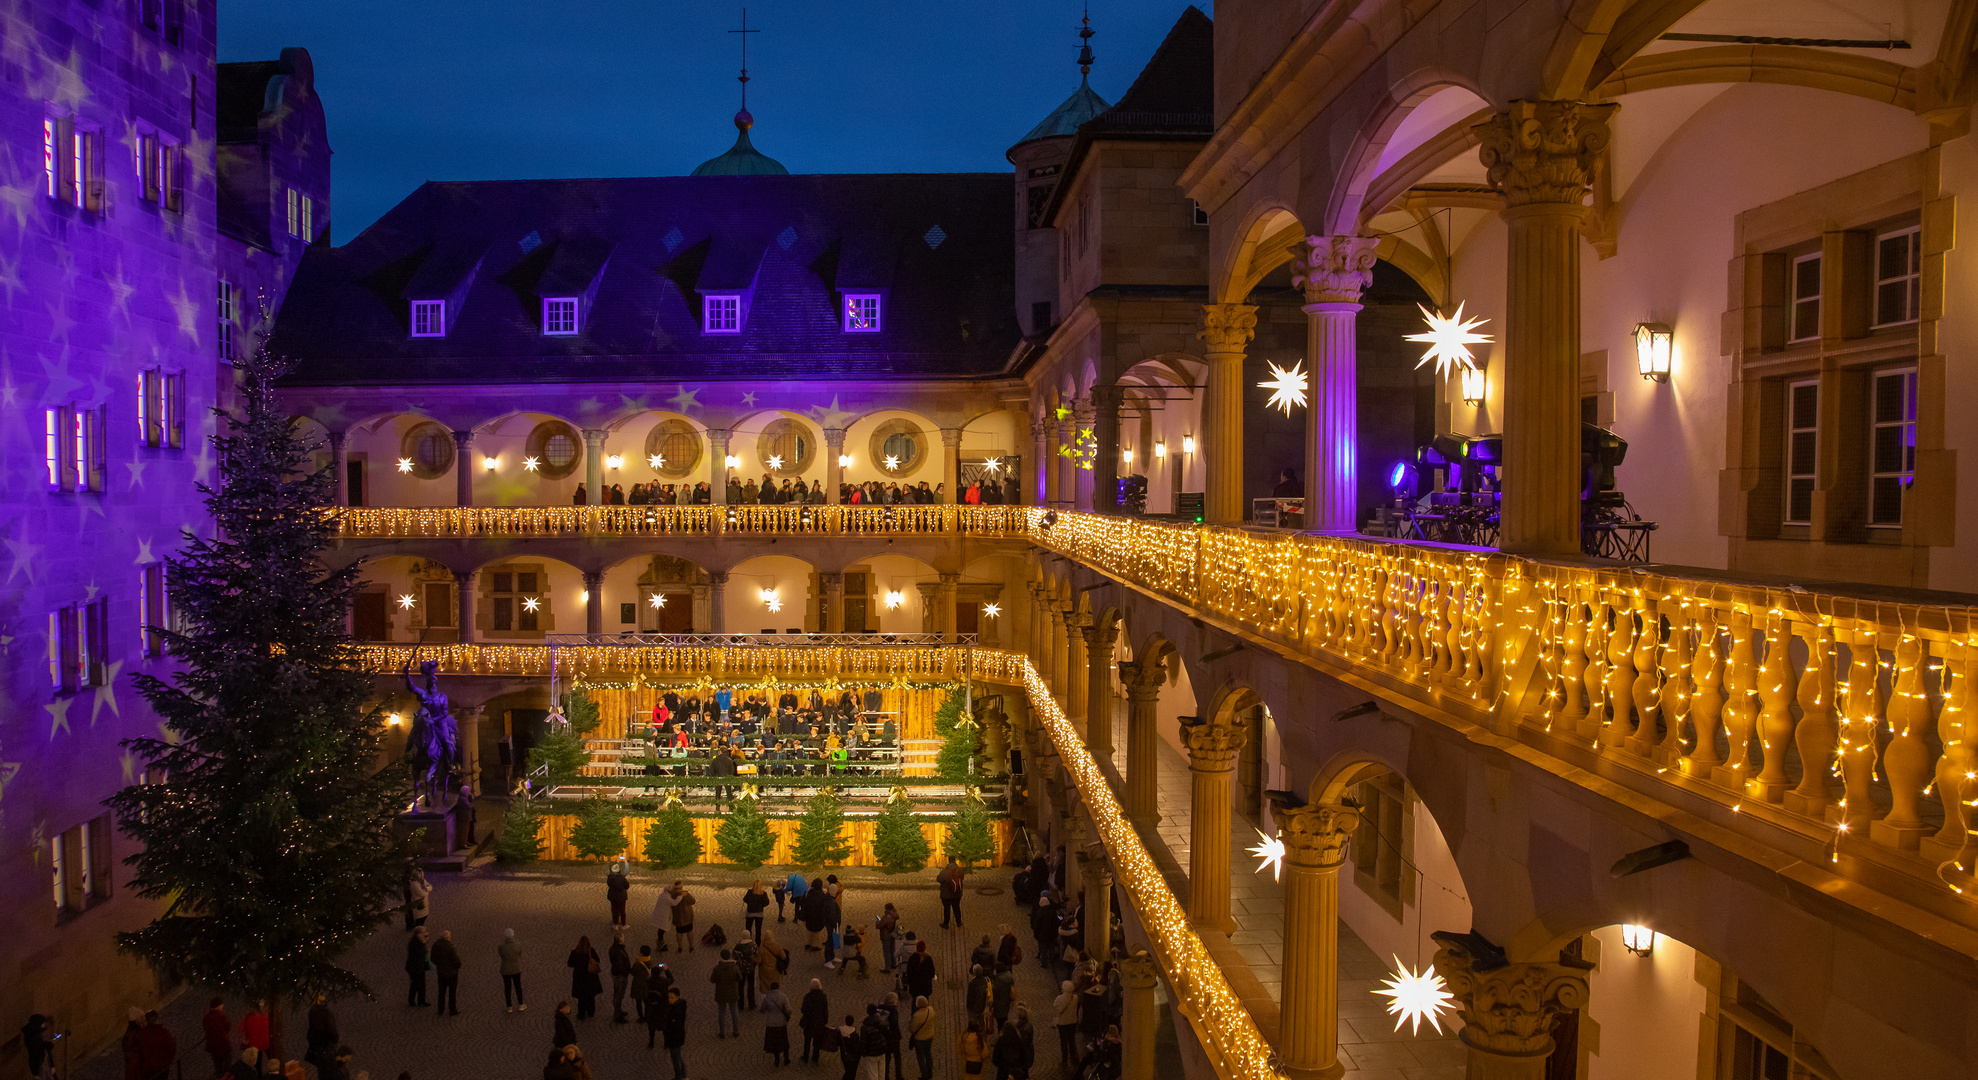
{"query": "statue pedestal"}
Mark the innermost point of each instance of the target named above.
(433, 829)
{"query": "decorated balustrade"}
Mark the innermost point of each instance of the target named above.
(1845, 720)
(368, 523)
(792, 658)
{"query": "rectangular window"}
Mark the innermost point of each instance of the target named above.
(149, 186)
(54, 134)
(560, 315)
(93, 474)
(226, 320)
(308, 233)
(59, 873)
(1892, 446)
(504, 613)
(1802, 449)
(66, 661)
(95, 618)
(294, 212)
(428, 318)
(1898, 276)
(175, 409)
(61, 462)
(152, 606)
(861, 313)
(172, 175)
(722, 315)
(1806, 297)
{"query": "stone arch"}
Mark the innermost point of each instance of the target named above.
(1597, 36)
(683, 586)
(1860, 76)
(1264, 243)
(1345, 211)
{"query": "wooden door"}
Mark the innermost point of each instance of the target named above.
(677, 616)
(968, 617)
(353, 480)
(371, 617)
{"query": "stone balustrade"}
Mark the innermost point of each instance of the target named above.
(374, 523)
(747, 657)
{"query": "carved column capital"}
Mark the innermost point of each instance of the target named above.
(834, 440)
(464, 440)
(951, 437)
(1077, 620)
(1139, 972)
(1507, 1009)
(592, 436)
(1227, 328)
(1212, 745)
(1316, 835)
(1100, 636)
(717, 440)
(1545, 151)
(717, 577)
(1335, 269)
(1143, 680)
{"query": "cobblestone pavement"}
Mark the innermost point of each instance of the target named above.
(551, 905)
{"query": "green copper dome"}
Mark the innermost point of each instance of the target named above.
(742, 159)
(1081, 106)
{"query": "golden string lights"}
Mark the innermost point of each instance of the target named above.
(892, 664)
(354, 523)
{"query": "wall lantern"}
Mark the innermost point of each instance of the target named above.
(1160, 449)
(396, 719)
(1126, 455)
(1639, 940)
(770, 600)
(895, 599)
(614, 461)
(1188, 444)
(1473, 385)
(489, 463)
(1653, 343)
(844, 461)
(731, 461)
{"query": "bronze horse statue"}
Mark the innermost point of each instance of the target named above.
(432, 747)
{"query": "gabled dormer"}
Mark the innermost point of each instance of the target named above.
(438, 289)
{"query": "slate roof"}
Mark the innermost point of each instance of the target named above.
(938, 246)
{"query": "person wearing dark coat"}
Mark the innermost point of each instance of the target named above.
(920, 971)
(1008, 1054)
(618, 886)
(417, 958)
(586, 983)
(849, 1047)
(676, 1031)
(621, 977)
(814, 1016)
(446, 964)
(563, 1033)
(157, 1048)
(323, 1037)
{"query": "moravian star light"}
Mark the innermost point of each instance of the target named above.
(406, 601)
(659, 600)
(1449, 340)
(775, 462)
(1270, 849)
(1287, 387)
(1416, 996)
(531, 604)
(992, 610)
(892, 463)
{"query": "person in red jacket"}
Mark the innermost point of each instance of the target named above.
(254, 1027)
(157, 1048)
(219, 1036)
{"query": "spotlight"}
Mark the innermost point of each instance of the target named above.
(1401, 477)
(844, 461)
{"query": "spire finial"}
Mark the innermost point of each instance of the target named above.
(742, 119)
(1085, 33)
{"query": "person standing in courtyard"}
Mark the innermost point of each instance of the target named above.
(889, 925)
(218, 1029)
(772, 960)
(418, 899)
(585, 981)
(446, 965)
(254, 1026)
(814, 1016)
(617, 888)
(1028, 1033)
(510, 952)
(1007, 1055)
(641, 981)
(848, 1047)
(323, 1037)
(676, 1031)
(920, 972)
(921, 1037)
(727, 980)
(775, 1009)
(951, 894)
(754, 903)
(969, 1048)
(683, 917)
(562, 1032)
(1066, 1009)
(157, 1048)
(417, 961)
(621, 976)
(745, 956)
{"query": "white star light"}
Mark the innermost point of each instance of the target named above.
(775, 462)
(1449, 340)
(659, 600)
(1271, 850)
(406, 601)
(992, 610)
(892, 463)
(1287, 387)
(993, 464)
(530, 463)
(655, 461)
(532, 604)
(770, 600)
(1416, 996)
(405, 464)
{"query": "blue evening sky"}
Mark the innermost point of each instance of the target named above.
(421, 90)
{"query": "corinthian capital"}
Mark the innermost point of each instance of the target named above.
(1544, 151)
(1316, 835)
(1228, 327)
(1101, 635)
(1212, 744)
(1507, 1008)
(1141, 678)
(1336, 269)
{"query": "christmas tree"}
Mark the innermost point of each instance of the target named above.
(820, 832)
(898, 843)
(968, 839)
(671, 842)
(960, 736)
(565, 755)
(521, 838)
(744, 838)
(581, 711)
(271, 846)
(600, 831)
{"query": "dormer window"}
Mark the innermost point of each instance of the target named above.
(428, 318)
(559, 316)
(722, 314)
(861, 313)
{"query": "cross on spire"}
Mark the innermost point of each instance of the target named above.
(744, 77)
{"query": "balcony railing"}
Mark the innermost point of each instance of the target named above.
(1846, 721)
(375, 523)
(748, 656)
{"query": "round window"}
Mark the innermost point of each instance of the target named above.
(898, 447)
(789, 442)
(429, 446)
(677, 446)
(556, 448)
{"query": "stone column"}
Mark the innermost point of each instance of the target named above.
(1226, 329)
(466, 595)
(1098, 904)
(1077, 681)
(467, 718)
(834, 602)
(834, 473)
(340, 461)
(717, 601)
(1100, 637)
(1308, 1025)
(1543, 156)
(1334, 270)
(463, 467)
(717, 465)
(1140, 1018)
(1067, 467)
(1143, 770)
(1508, 1009)
(1060, 651)
(944, 598)
(1106, 401)
(1048, 459)
(1212, 750)
(594, 465)
(951, 463)
(593, 601)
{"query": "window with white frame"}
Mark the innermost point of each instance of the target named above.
(294, 212)
(79, 645)
(722, 314)
(1802, 449)
(72, 162)
(153, 608)
(861, 313)
(428, 318)
(76, 457)
(1892, 446)
(559, 315)
(160, 408)
(161, 171)
(301, 216)
(308, 220)
(79, 865)
(227, 314)
(1806, 297)
(1898, 276)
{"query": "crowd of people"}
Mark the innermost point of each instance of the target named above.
(979, 492)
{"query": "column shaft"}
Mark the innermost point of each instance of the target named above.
(717, 466)
(717, 603)
(1308, 1025)
(951, 464)
(340, 462)
(1100, 640)
(468, 720)
(1078, 682)
(1098, 907)
(1334, 270)
(834, 602)
(1140, 1017)
(944, 598)
(463, 467)
(1212, 749)
(1052, 440)
(593, 602)
(1227, 328)
(1060, 653)
(834, 472)
(594, 465)
(1143, 771)
(1106, 402)
(466, 589)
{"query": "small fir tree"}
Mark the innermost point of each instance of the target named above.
(565, 755)
(820, 837)
(521, 838)
(898, 843)
(744, 837)
(960, 739)
(672, 842)
(582, 713)
(969, 840)
(600, 829)
(271, 846)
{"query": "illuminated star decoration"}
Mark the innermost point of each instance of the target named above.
(775, 462)
(1287, 387)
(992, 610)
(993, 464)
(655, 461)
(659, 600)
(1271, 850)
(771, 601)
(1449, 341)
(531, 463)
(1416, 996)
(406, 601)
(892, 463)
(405, 464)
(531, 604)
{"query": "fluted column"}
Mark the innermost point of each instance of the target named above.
(951, 463)
(593, 602)
(1212, 749)
(467, 721)
(340, 462)
(466, 596)
(1051, 439)
(1226, 329)
(1308, 1025)
(1035, 643)
(1542, 155)
(717, 601)
(1508, 1010)
(1143, 771)
(834, 473)
(717, 466)
(834, 602)
(1060, 652)
(1078, 682)
(594, 465)
(463, 467)
(1140, 1016)
(1334, 270)
(1106, 402)
(1100, 639)
(944, 598)
(1098, 882)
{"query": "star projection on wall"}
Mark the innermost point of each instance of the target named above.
(1449, 340)
(1287, 387)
